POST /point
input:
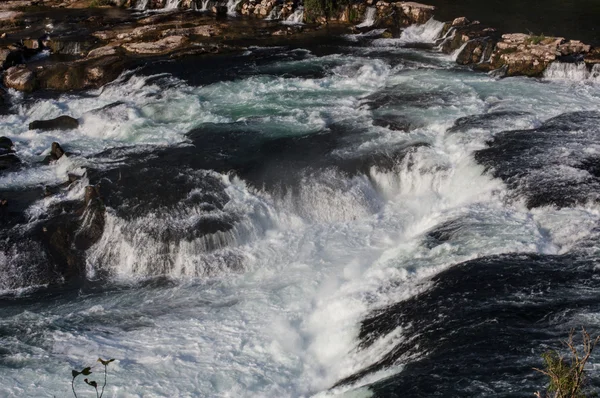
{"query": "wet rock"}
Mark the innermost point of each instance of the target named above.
(92, 221)
(56, 152)
(10, 57)
(220, 11)
(59, 123)
(80, 75)
(525, 55)
(161, 46)
(475, 51)
(104, 51)
(20, 78)
(573, 47)
(593, 57)
(9, 161)
(6, 146)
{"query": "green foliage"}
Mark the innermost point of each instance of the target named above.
(567, 376)
(536, 39)
(88, 371)
(353, 15)
(326, 8)
(99, 3)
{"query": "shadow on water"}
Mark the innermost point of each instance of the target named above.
(482, 327)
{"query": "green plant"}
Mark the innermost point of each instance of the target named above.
(536, 39)
(567, 376)
(326, 8)
(99, 3)
(88, 371)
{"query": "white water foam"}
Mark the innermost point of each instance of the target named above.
(577, 72)
(369, 19)
(425, 33)
(232, 7)
(296, 18)
(309, 267)
(172, 4)
(141, 4)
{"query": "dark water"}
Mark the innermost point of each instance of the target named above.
(572, 19)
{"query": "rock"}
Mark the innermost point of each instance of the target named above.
(416, 12)
(6, 146)
(593, 57)
(161, 46)
(104, 51)
(10, 57)
(8, 161)
(461, 21)
(574, 47)
(56, 152)
(20, 78)
(525, 55)
(80, 75)
(59, 123)
(475, 51)
(93, 219)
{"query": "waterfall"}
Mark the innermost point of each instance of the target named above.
(572, 71)
(274, 15)
(426, 33)
(205, 5)
(595, 74)
(369, 19)
(232, 6)
(141, 4)
(193, 6)
(172, 4)
(457, 52)
(297, 17)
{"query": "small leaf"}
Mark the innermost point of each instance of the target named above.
(105, 363)
(75, 373)
(87, 371)
(91, 383)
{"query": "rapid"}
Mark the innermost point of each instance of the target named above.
(360, 217)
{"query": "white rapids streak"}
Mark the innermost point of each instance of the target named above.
(369, 19)
(578, 72)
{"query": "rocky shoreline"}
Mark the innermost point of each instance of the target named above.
(100, 45)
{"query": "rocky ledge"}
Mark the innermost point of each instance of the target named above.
(98, 45)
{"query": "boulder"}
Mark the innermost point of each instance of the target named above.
(104, 51)
(574, 47)
(6, 146)
(475, 51)
(56, 152)
(162, 46)
(593, 57)
(20, 78)
(80, 75)
(10, 57)
(519, 54)
(417, 13)
(8, 161)
(460, 21)
(59, 123)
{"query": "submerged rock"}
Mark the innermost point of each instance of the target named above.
(59, 123)
(8, 161)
